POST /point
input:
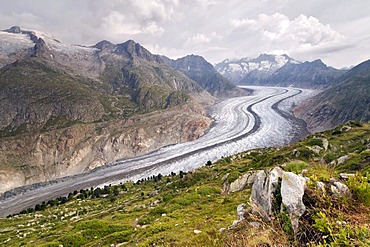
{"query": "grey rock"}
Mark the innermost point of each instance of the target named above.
(222, 230)
(225, 176)
(243, 181)
(339, 189)
(292, 190)
(240, 210)
(235, 223)
(342, 159)
(325, 144)
(225, 188)
(316, 149)
(321, 186)
(346, 175)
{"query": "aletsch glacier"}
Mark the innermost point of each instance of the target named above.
(240, 124)
(234, 131)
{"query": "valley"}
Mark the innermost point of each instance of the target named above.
(260, 120)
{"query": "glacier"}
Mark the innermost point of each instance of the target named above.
(239, 124)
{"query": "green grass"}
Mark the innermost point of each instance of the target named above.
(166, 210)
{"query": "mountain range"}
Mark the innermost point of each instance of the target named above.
(260, 68)
(279, 70)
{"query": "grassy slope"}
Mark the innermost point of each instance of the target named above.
(166, 212)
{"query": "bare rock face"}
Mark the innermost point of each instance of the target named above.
(292, 190)
(32, 158)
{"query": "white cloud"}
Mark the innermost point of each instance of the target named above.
(282, 32)
(197, 39)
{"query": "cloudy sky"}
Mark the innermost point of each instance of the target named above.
(337, 31)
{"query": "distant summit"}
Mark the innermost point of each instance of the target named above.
(14, 29)
(198, 69)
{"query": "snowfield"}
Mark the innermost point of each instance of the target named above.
(260, 120)
(11, 42)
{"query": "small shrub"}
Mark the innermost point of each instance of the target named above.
(295, 167)
(157, 211)
(315, 142)
(361, 188)
(321, 172)
(73, 240)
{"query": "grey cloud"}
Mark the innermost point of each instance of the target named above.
(213, 28)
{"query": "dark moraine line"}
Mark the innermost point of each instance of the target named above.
(300, 124)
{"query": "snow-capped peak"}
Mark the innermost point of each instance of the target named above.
(12, 42)
(15, 39)
(267, 64)
(57, 45)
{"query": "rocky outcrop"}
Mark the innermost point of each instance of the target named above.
(241, 212)
(339, 189)
(269, 186)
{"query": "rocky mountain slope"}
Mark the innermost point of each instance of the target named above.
(318, 194)
(274, 70)
(68, 108)
(252, 68)
(348, 100)
(201, 71)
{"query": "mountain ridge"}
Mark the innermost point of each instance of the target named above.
(201, 71)
(347, 100)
